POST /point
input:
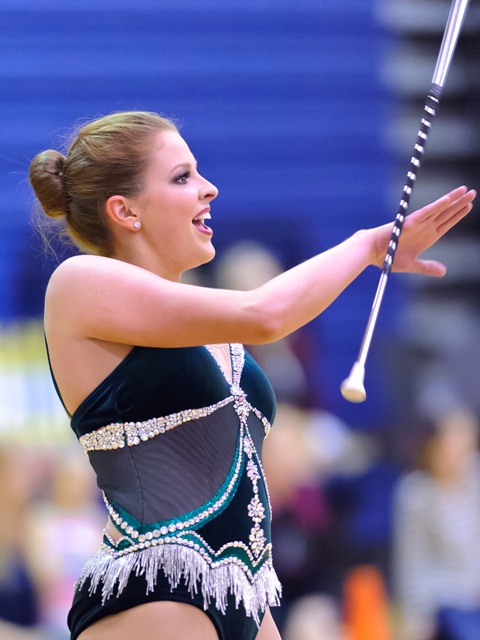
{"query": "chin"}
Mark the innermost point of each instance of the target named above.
(204, 257)
(209, 254)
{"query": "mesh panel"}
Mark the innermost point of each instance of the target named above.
(174, 473)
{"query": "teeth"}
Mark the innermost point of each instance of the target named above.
(204, 216)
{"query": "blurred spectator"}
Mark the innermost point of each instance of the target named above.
(18, 601)
(304, 449)
(437, 533)
(66, 525)
(301, 519)
(361, 501)
(14, 632)
(314, 617)
(248, 265)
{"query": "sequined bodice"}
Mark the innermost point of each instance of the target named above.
(177, 453)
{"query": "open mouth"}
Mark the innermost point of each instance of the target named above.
(199, 222)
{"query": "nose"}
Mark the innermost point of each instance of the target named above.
(208, 191)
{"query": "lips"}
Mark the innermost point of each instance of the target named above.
(199, 222)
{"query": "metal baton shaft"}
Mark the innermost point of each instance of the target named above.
(352, 388)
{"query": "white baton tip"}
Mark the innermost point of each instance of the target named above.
(352, 387)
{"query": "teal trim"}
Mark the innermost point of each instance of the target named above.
(231, 552)
(148, 528)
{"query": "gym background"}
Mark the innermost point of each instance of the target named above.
(304, 115)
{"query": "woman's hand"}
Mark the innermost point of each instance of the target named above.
(421, 230)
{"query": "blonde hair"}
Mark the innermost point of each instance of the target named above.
(107, 156)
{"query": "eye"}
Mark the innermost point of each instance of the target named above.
(182, 178)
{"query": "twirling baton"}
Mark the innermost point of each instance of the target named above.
(352, 388)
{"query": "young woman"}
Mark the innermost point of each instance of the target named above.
(169, 407)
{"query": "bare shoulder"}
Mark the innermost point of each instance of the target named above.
(102, 298)
(90, 276)
(76, 284)
(77, 269)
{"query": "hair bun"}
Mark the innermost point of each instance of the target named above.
(47, 180)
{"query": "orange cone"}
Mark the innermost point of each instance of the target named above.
(366, 605)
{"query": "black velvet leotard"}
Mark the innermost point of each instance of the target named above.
(176, 448)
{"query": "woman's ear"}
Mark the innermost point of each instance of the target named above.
(118, 210)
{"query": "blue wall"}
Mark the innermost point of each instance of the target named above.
(280, 101)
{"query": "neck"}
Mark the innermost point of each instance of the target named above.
(152, 264)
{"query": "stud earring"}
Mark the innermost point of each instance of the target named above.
(137, 224)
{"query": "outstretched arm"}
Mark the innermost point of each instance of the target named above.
(109, 300)
(306, 290)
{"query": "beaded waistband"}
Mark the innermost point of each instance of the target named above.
(120, 434)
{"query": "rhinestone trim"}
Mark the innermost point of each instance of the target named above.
(117, 435)
(180, 560)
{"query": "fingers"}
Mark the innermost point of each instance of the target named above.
(465, 199)
(440, 205)
(454, 195)
(431, 268)
(456, 211)
(453, 219)
(447, 211)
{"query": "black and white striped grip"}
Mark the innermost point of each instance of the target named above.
(429, 112)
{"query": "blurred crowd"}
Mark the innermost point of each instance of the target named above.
(51, 521)
(339, 507)
(372, 541)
